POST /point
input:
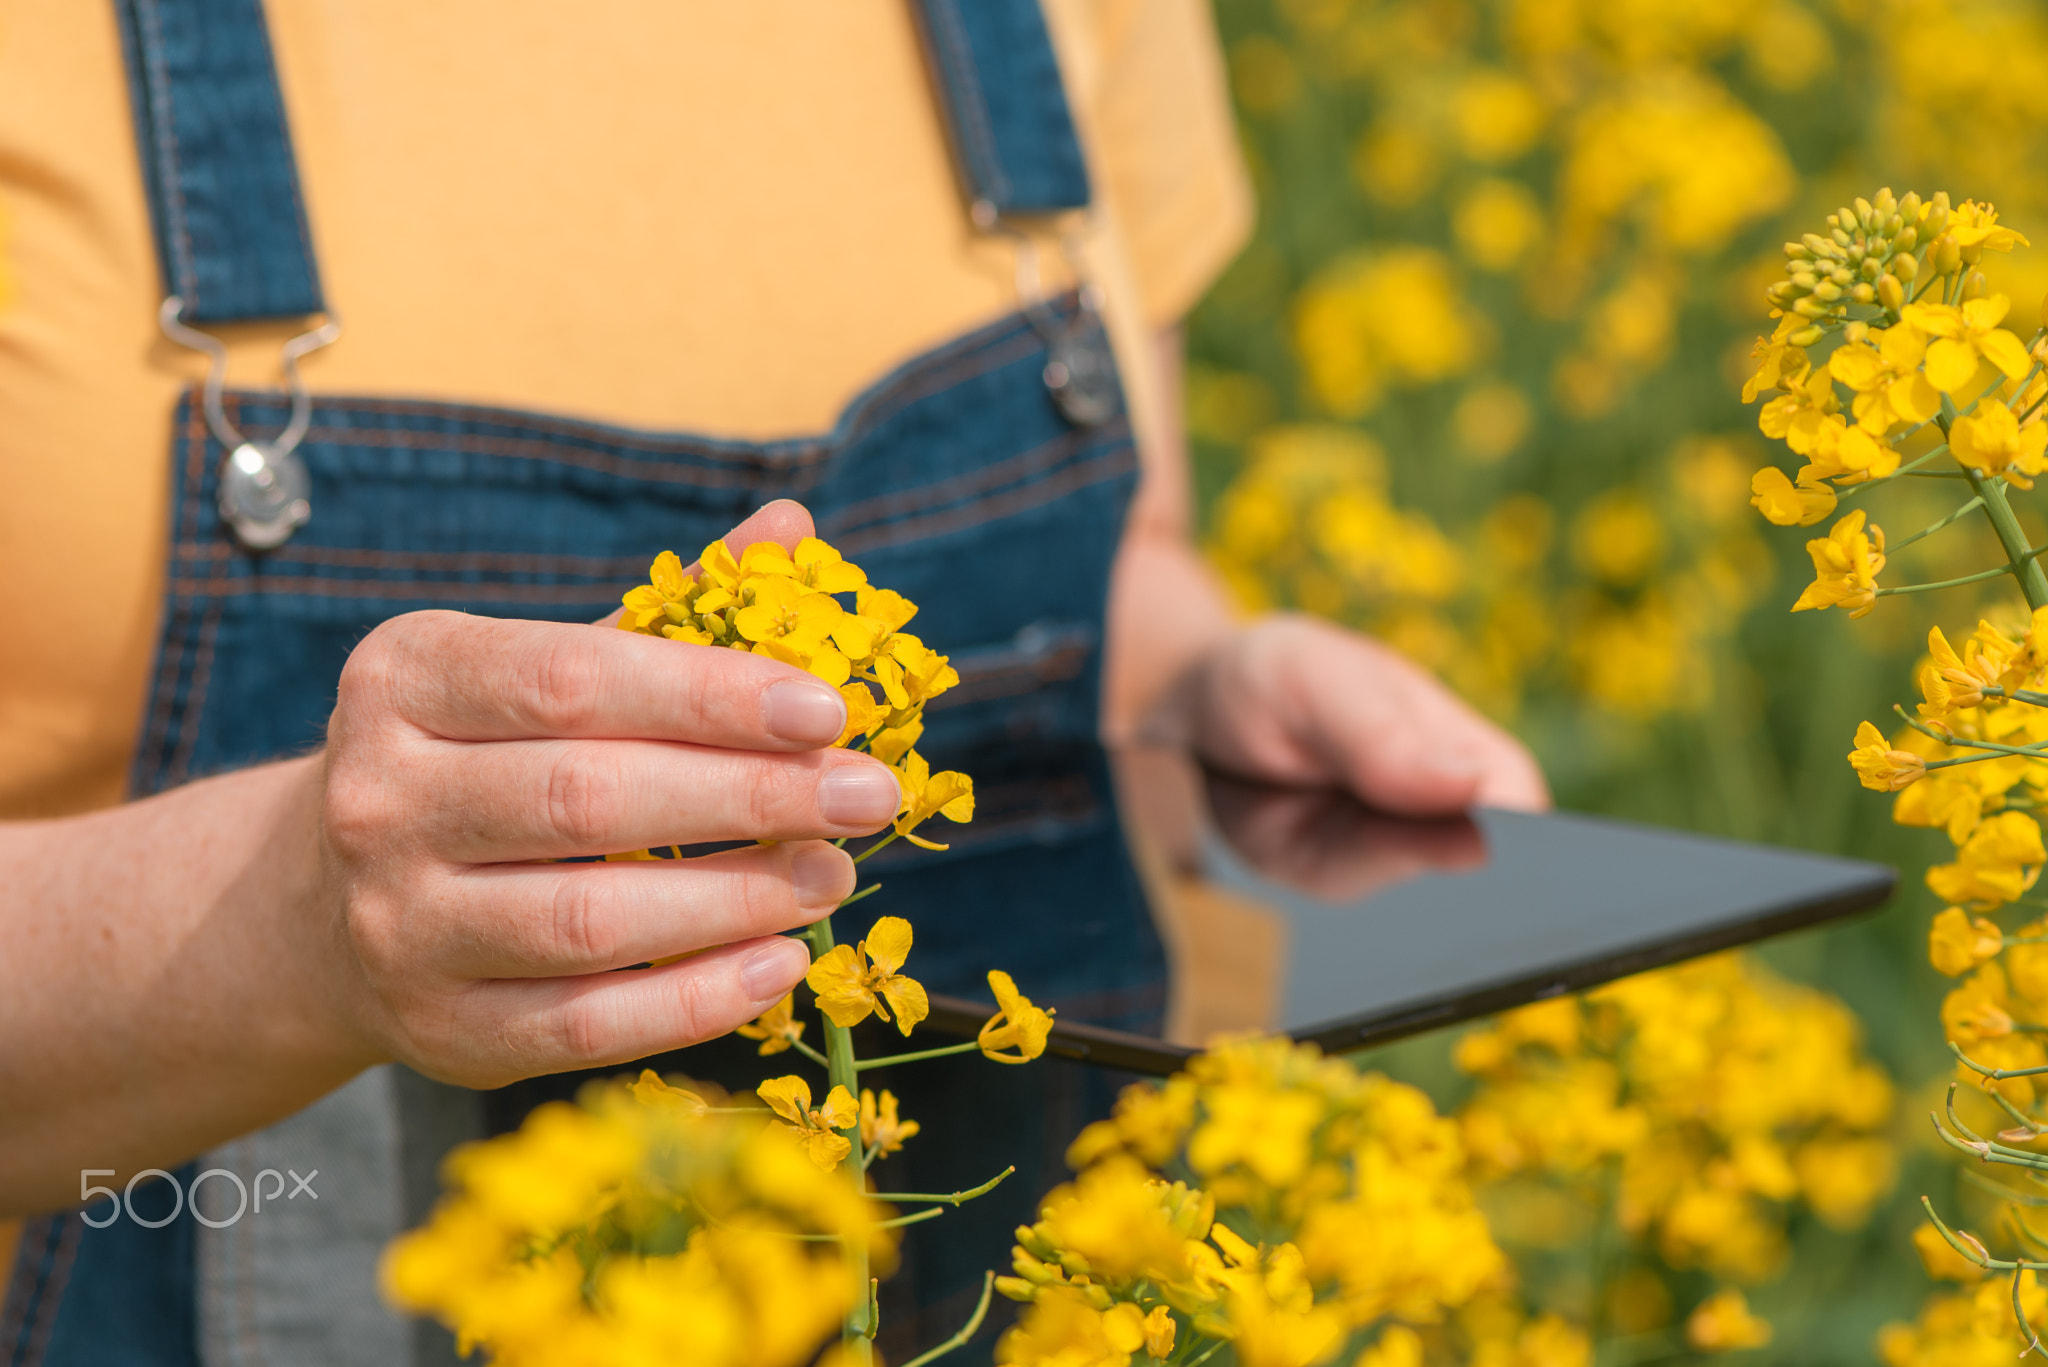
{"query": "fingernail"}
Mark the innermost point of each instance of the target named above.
(858, 795)
(773, 969)
(822, 876)
(805, 712)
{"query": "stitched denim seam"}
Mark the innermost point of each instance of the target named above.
(162, 117)
(1117, 461)
(1039, 459)
(970, 106)
(195, 698)
(431, 562)
(313, 586)
(34, 1338)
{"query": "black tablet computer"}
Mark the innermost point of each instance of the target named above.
(1389, 928)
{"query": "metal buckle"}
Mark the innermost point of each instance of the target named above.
(265, 492)
(1080, 367)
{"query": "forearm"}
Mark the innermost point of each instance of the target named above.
(160, 994)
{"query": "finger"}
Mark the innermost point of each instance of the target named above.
(535, 921)
(785, 522)
(523, 800)
(459, 677)
(551, 1025)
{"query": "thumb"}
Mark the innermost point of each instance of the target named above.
(785, 522)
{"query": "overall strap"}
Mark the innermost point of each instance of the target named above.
(1013, 135)
(217, 161)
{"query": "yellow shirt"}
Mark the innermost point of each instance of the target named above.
(715, 217)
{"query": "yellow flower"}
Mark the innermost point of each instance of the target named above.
(1850, 454)
(926, 794)
(1784, 504)
(852, 982)
(1016, 1024)
(1846, 563)
(912, 673)
(1879, 766)
(1795, 416)
(1159, 1333)
(1986, 657)
(649, 1090)
(880, 1130)
(1780, 365)
(663, 600)
(1997, 864)
(790, 1098)
(1978, 1008)
(1976, 225)
(1887, 380)
(863, 713)
(1991, 440)
(1957, 941)
(777, 1028)
(1062, 1329)
(821, 567)
(1723, 1322)
(1965, 335)
(792, 624)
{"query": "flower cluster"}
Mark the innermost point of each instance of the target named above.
(786, 605)
(1322, 1209)
(637, 1226)
(1703, 1101)
(1932, 378)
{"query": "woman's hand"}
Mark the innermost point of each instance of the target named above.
(194, 966)
(1293, 700)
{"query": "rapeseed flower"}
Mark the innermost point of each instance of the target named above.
(790, 1098)
(854, 982)
(777, 1028)
(1846, 563)
(1017, 1024)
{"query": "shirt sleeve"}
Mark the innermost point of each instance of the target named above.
(1165, 151)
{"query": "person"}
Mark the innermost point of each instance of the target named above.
(289, 714)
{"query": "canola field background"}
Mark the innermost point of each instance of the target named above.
(1475, 387)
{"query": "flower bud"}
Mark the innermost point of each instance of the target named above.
(1870, 268)
(1905, 267)
(1948, 257)
(1863, 293)
(1803, 281)
(1884, 201)
(1805, 337)
(1842, 239)
(1975, 286)
(1798, 251)
(1812, 308)
(1906, 239)
(1016, 1288)
(1856, 332)
(1972, 252)
(1818, 245)
(1890, 292)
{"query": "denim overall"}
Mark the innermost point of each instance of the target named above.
(985, 479)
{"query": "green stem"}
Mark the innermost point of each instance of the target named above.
(967, 1330)
(883, 843)
(917, 1057)
(811, 1054)
(2016, 695)
(1979, 577)
(857, 1333)
(2022, 559)
(2038, 750)
(868, 891)
(952, 1199)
